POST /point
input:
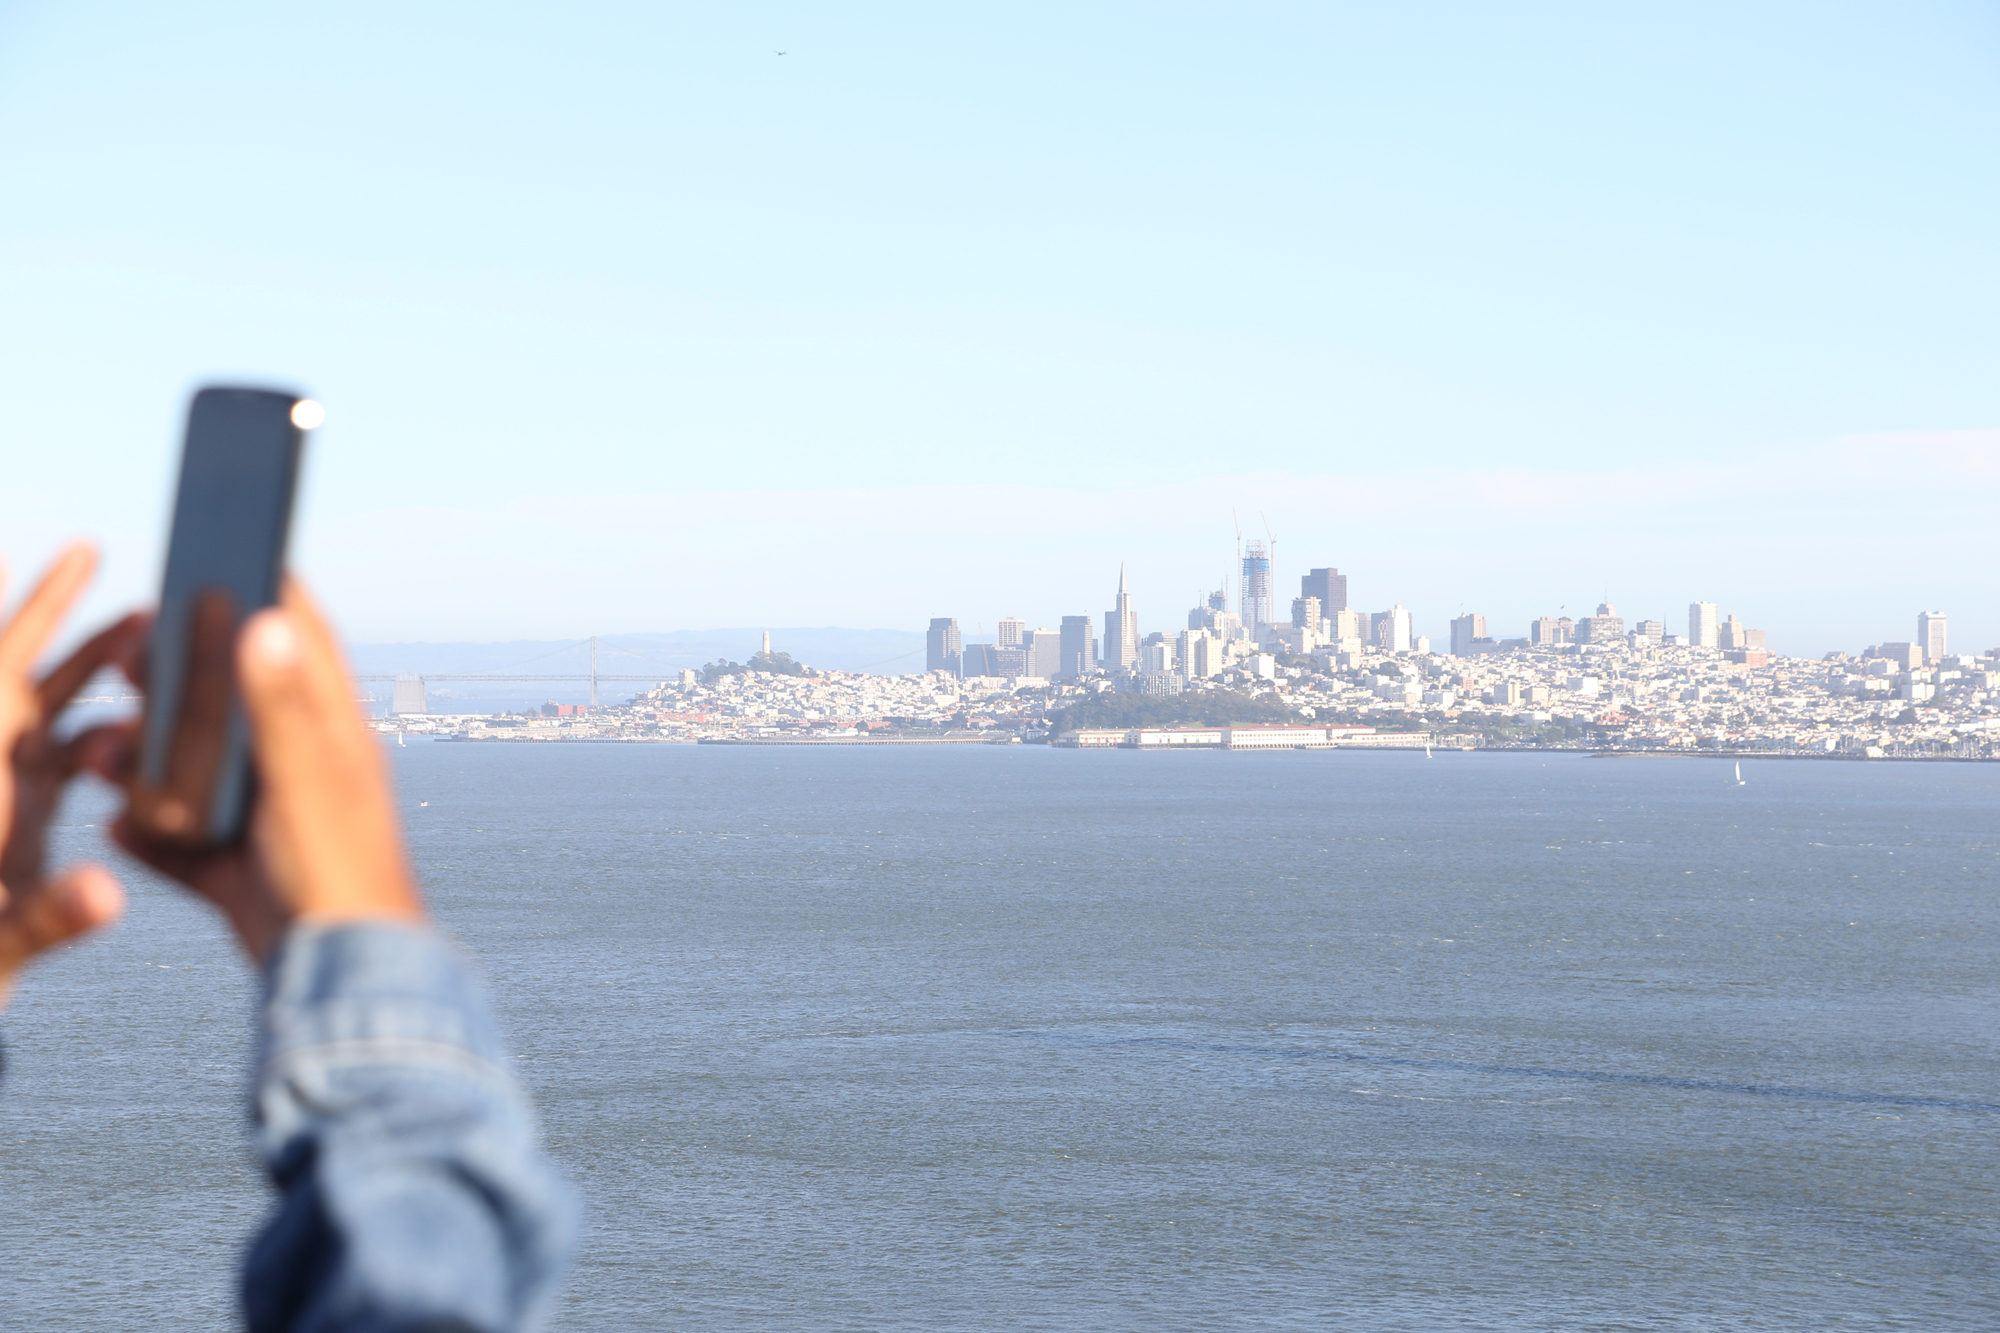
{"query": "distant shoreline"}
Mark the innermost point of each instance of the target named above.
(833, 742)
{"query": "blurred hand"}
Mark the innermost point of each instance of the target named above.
(324, 843)
(38, 912)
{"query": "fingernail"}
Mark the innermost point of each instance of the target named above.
(273, 641)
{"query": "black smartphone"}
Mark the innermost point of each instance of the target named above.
(232, 512)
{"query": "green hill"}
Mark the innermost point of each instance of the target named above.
(1200, 708)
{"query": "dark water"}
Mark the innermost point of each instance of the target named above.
(952, 1038)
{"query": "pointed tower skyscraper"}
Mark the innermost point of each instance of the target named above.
(1121, 630)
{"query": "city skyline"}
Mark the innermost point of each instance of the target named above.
(1650, 543)
(1322, 610)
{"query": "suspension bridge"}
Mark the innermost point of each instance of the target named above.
(505, 676)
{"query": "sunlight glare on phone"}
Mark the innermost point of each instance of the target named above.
(307, 414)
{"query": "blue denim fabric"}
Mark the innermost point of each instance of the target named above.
(414, 1194)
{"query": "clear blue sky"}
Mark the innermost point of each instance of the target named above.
(627, 322)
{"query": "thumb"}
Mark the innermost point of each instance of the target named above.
(327, 824)
(274, 672)
(82, 899)
(314, 757)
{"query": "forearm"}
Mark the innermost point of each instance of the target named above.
(414, 1194)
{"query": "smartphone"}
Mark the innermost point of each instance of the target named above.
(232, 512)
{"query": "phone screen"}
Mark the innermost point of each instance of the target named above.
(232, 511)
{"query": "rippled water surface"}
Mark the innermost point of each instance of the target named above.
(967, 1038)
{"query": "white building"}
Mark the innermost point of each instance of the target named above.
(1704, 630)
(1396, 629)
(408, 698)
(1930, 635)
(1204, 655)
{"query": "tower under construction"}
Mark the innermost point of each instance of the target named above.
(1255, 600)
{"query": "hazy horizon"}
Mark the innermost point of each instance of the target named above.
(625, 319)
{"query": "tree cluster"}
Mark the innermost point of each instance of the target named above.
(1203, 708)
(775, 664)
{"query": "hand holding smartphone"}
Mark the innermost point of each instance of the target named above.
(225, 561)
(328, 847)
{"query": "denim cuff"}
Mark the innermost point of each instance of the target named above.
(413, 1192)
(374, 993)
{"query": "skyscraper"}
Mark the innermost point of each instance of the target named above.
(943, 645)
(1464, 630)
(1011, 629)
(1121, 630)
(1079, 647)
(1255, 602)
(408, 696)
(1044, 650)
(1330, 586)
(1204, 657)
(979, 659)
(1606, 627)
(1930, 635)
(1703, 629)
(1395, 629)
(1306, 613)
(1216, 617)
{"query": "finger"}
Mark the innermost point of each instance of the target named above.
(332, 684)
(111, 646)
(173, 860)
(307, 738)
(228, 878)
(304, 694)
(134, 652)
(83, 899)
(143, 847)
(110, 751)
(44, 607)
(330, 831)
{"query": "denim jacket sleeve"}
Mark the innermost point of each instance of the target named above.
(414, 1195)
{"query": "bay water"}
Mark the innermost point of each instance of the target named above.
(980, 1037)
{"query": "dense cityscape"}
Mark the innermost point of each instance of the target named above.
(1244, 675)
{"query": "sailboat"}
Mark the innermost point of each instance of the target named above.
(1427, 749)
(400, 741)
(1739, 772)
